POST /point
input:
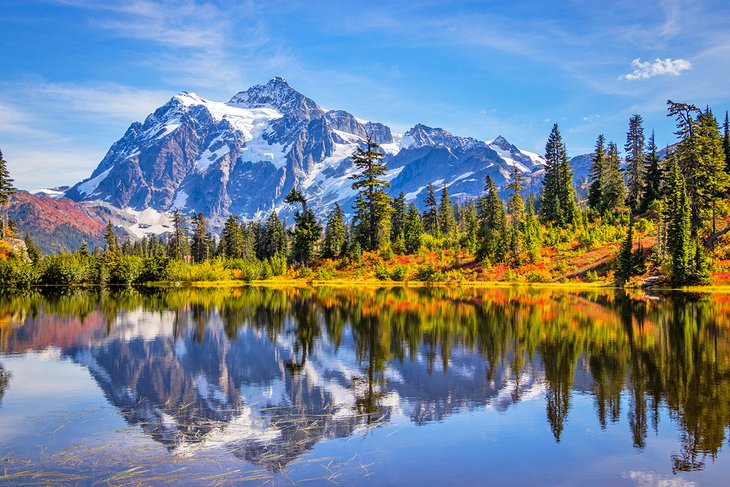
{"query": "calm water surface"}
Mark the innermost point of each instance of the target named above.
(365, 387)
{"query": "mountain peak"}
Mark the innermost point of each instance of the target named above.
(278, 94)
(421, 135)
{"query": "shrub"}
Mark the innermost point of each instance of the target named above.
(399, 273)
(382, 273)
(17, 273)
(126, 270)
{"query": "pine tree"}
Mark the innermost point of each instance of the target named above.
(431, 221)
(272, 238)
(334, 234)
(231, 244)
(110, 239)
(558, 196)
(446, 219)
(516, 208)
(307, 229)
(33, 252)
(625, 267)
(597, 176)
(726, 144)
(531, 232)
(470, 235)
(686, 116)
(179, 243)
(397, 227)
(373, 209)
(679, 241)
(492, 229)
(635, 162)
(200, 244)
(413, 229)
(6, 191)
(710, 171)
(614, 192)
(653, 171)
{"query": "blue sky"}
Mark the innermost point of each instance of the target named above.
(75, 73)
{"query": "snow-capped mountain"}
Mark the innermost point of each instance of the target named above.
(243, 156)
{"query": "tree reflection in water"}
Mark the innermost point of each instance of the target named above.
(270, 372)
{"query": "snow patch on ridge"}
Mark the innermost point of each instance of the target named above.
(89, 187)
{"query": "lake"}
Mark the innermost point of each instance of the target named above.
(364, 386)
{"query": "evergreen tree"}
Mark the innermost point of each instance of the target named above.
(625, 264)
(686, 117)
(110, 239)
(470, 235)
(200, 241)
(33, 252)
(597, 176)
(653, 171)
(531, 232)
(231, 244)
(726, 144)
(710, 170)
(6, 191)
(373, 209)
(413, 229)
(635, 162)
(516, 208)
(492, 229)
(272, 238)
(431, 213)
(679, 241)
(397, 228)
(179, 243)
(614, 193)
(558, 196)
(446, 219)
(307, 229)
(334, 234)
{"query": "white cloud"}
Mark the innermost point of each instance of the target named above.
(659, 67)
(651, 479)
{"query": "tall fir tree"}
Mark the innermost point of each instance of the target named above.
(653, 171)
(679, 240)
(516, 209)
(492, 229)
(179, 242)
(111, 243)
(6, 191)
(470, 224)
(431, 222)
(531, 232)
(413, 229)
(373, 208)
(726, 143)
(334, 234)
(307, 229)
(231, 244)
(446, 215)
(614, 192)
(558, 196)
(272, 238)
(635, 162)
(597, 176)
(398, 220)
(200, 244)
(686, 116)
(710, 171)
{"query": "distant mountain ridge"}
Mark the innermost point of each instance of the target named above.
(242, 157)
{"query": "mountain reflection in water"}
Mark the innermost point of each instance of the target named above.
(267, 373)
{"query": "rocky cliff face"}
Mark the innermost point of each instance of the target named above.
(242, 157)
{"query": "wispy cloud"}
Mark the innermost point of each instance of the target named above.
(201, 45)
(660, 67)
